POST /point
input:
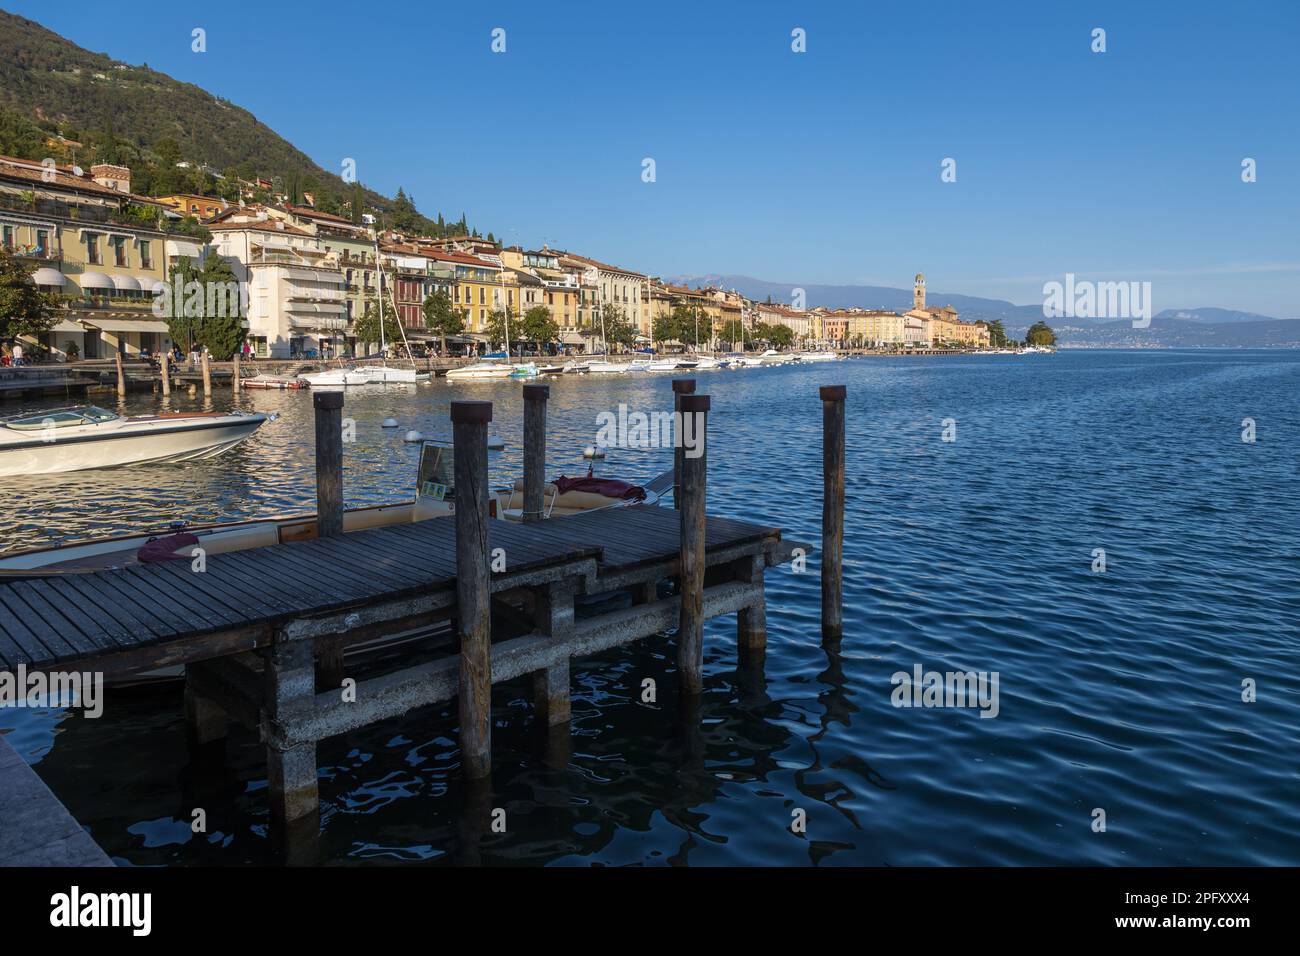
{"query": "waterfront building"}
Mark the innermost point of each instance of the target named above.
(295, 295)
(621, 287)
(101, 249)
(200, 207)
(944, 326)
(796, 320)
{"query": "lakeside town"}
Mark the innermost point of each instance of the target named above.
(310, 285)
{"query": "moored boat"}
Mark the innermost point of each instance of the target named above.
(272, 381)
(85, 437)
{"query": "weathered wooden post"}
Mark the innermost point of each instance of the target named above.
(121, 375)
(832, 510)
(694, 425)
(329, 463)
(681, 386)
(473, 587)
(166, 378)
(535, 397)
(206, 363)
(234, 373)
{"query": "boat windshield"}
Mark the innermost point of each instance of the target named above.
(437, 473)
(61, 418)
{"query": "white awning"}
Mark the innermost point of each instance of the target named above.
(322, 323)
(96, 280)
(180, 247)
(47, 276)
(125, 325)
(126, 284)
(315, 308)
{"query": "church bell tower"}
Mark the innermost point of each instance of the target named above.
(918, 293)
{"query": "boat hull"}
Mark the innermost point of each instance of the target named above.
(118, 449)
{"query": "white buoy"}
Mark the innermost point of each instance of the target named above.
(390, 422)
(496, 442)
(593, 452)
(413, 436)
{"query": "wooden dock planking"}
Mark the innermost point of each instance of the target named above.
(85, 616)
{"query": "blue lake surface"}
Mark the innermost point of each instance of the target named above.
(1120, 690)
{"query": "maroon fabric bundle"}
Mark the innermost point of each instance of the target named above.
(163, 549)
(609, 487)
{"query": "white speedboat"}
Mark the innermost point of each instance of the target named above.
(383, 374)
(335, 377)
(704, 363)
(773, 357)
(75, 439)
(662, 365)
(490, 367)
(607, 368)
(817, 357)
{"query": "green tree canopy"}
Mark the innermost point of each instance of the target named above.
(1040, 333)
(619, 329)
(997, 334)
(441, 316)
(366, 328)
(538, 326)
(210, 308)
(24, 309)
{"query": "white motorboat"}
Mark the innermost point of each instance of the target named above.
(335, 377)
(773, 357)
(662, 365)
(383, 374)
(491, 366)
(817, 357)
(607, 368)
(75, 439)
(704, 363)
(550, 369)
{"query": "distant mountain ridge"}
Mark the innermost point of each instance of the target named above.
(1172, 328)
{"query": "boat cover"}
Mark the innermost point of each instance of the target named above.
(609, 487)
(164, 549)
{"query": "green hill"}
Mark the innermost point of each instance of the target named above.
(144, 119)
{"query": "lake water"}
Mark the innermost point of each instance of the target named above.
(1118, 690)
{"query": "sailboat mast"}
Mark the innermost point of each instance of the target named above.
(380, 269)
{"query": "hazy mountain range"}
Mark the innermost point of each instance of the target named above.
(1171, 328)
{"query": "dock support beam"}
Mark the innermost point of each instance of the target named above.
(163, 359)
(751, 621)
(205, 363)
(329, 463)
(473, 588)
(205, 722)
(234, 373)
(832, 397)
(554, 615)
(121, 374)
(535, 397)
(694, 421)
(291, 769)
(681, 386)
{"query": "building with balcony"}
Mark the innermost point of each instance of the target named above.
(98, 247)
(295, 293)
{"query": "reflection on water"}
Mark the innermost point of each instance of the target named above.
(1118, 690)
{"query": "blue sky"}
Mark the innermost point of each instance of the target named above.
(816, 167)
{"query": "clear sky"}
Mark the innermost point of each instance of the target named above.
(812, 167)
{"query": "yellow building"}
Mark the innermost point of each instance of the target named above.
(200, 207)
(100, 248)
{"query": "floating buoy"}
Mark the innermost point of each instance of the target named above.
(593, 452)
(413, 436)
(496, 442)
(390, 423)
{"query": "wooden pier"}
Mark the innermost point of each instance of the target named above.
(262, 633)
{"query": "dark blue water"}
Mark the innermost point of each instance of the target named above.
(1119, 690)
